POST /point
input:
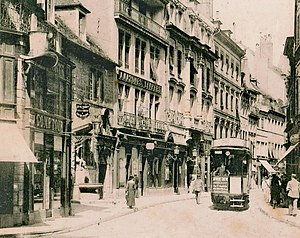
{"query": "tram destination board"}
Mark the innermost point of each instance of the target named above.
(220, 184)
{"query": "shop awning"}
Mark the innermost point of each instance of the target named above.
(267, 166)
(289, 150)
(13, 145)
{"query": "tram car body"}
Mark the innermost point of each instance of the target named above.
(230, 186)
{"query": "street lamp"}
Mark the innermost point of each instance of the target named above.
(176, 153)
(194, 153)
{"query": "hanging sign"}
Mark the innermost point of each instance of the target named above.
(82, 110)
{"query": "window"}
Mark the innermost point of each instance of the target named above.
(151, 105)
(171, 93)
(96, 86)
(8, 80)
(216, 95)
(221, 100)
(237, 71)
(82, 23)
(179, 62)
(154, 62)
(136, 101)
(121, 45)
(217, 53)
(156, 107)
(124, 48)
(203, 78)
(127, 50)
(193, 73)
(231, 103)
(171, 59)
(232, 68)
(143, 55)
(179, 96)
(179, 17)
(226, 100)
(207, 79)
(222, 61)
(137, 55)
(227, 65)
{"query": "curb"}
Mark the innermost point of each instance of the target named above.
(117, 215)
(279, 219)
(94, 222)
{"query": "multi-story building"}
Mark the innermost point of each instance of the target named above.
(292, 51)
(35, 106)
(161, 47)
(262, 117)
(94, 98)
(189, 104)
(227, 85)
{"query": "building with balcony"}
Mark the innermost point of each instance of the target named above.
(190, 67)
(262, 120)
(35, 114)
(133, 34)
(227, 84)
(164, 86)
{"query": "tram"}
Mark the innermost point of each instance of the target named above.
(231, 162)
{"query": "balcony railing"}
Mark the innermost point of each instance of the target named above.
(174, 117)
(14, 16)
(122, 8)
(142, 123)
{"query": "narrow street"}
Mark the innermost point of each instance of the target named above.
(186, 219)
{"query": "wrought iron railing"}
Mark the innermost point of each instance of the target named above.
(174, 117)
(14, 16)
(126, 10)
(142, 123)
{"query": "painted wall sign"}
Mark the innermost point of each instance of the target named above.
(48, 123)
(142, 83)
(82, 110)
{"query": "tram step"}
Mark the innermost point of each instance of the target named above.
(234, 205)
(237, 200)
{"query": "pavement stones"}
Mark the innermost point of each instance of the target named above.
(93, 211)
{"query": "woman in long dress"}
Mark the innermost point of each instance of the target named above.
(130, 192)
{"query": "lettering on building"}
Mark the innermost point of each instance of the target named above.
(48, 123)
(139, 82)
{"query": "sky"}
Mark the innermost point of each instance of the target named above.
(257, 17)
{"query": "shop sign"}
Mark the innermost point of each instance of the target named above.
(48, 123)
(82, 110)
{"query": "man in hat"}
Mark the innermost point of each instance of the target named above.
(293, 189)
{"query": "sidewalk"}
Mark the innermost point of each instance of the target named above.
(91, 211)
(279, 213)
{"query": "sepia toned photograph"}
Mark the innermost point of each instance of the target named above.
(149, 118)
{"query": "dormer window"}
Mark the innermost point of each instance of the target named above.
(48, 7)
(82, 26)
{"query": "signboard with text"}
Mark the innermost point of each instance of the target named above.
(220, 184)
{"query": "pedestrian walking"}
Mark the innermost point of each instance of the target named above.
(197, 188)
(266, 189)
(136, 181)
(275, 190)
(293, 189)
(284, 196)
(130, 192)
